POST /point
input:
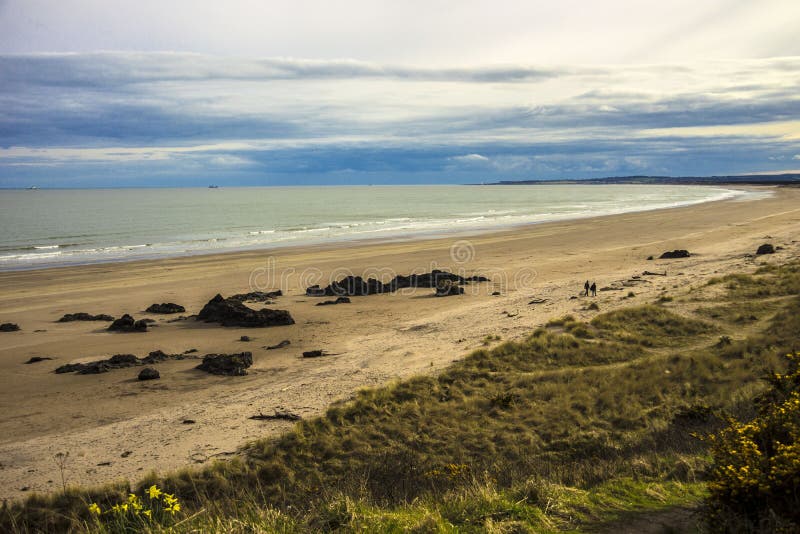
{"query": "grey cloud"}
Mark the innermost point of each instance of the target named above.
(124, 68)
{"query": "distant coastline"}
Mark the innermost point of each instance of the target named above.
(791, 179)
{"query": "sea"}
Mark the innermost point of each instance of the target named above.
(50, 228)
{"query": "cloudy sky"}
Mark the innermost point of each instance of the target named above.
(191, 92)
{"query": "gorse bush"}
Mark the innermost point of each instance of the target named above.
(756, 472)
(137, 513)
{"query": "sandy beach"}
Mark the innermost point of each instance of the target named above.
(114, 426)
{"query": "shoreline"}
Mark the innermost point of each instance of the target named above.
(116, 427)
(731, 193)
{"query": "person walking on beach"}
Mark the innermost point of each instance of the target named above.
(586, 288)
(594, 290)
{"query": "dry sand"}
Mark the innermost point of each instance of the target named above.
(114, 426)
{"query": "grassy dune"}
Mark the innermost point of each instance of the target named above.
(578, 427)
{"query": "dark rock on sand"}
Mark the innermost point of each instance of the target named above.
(158, 356)
(244, 339)
(118, 361)
(357, 286)
(284, 343)
(227, 364)
(431, 279)
(314, 353)
(448, 288)
(673, 254)
(37, 359)
(230, 312)
(340, 300)
(165, 307)
(126, 323)
(148, 373)
(82, 316)
(257, 296)
(349, 286)
(68, 368)
(9, 327)
(766, 248)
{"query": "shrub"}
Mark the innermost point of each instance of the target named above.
(756, 472)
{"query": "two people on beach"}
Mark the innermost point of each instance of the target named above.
(592, 288)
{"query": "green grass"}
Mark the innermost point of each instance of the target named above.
(577, 425)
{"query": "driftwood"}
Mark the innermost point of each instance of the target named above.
(649, 273)
(538, 301)
(278, 415)
(318, 353)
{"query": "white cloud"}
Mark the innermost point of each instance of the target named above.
(470, 158)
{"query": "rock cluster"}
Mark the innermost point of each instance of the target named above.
(83, 316)
(118, 361)
(227, 364)
(229, 312)
(126, 323)
(165, 307)
(357, 286)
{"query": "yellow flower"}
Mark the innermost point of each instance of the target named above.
(132, 498)
(153, 491)
(170, 499)
(94, 509)
(148, 513)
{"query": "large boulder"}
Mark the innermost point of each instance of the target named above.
(766, 248)
(126, 323)
(230, 312)
(227, 364)
(674, 254)
(83, 316)
(165, 307)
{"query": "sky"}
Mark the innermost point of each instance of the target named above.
(244, 92)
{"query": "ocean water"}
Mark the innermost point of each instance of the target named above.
(46, 228)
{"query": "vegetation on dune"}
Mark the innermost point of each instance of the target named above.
(581, 423)
(756, 471)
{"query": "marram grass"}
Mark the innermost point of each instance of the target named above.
(577, 426)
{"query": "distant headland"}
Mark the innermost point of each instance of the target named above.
(792, 178)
